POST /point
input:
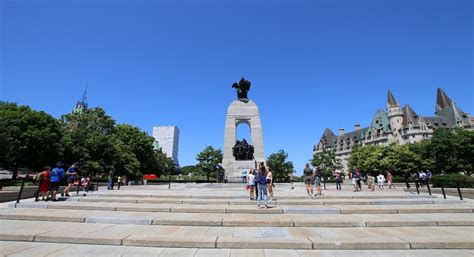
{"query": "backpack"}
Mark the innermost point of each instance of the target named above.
(262, 179)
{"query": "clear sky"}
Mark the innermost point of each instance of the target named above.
(312, 64)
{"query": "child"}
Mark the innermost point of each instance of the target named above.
(380, 181)
(44, 181)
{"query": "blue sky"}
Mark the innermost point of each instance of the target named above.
(312, 64)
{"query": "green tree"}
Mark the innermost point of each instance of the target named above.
(464, 145)
(279, 165)
(443, 147)
(140, 144)
(208, 159)
(327, 161)
(367, 159)
(28, 138)
(190, 169)
(164, 163)
(87, 139)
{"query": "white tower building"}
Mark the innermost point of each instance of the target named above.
(168, 139)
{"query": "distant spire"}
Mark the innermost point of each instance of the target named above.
(442, 100)
(409, 115)
(391, 101)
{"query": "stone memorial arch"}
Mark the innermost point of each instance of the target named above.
(242, 111)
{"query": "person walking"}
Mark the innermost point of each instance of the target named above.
(317, 180)
(56, 176)
(261, 180)
(358, 178)
(44, 180)
(370, 181)
(119, 182)
(290, 179)
(251, 184)
(390, 180)
(381, 180)
(308, 179)
(337, 177)
(110, 180)
(71, 175)
(270, 184)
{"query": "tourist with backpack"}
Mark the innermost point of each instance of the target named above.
(308, 179)
(261, 180)
(317, 180)
(56, 177)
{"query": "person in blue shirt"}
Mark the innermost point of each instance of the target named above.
(71, 175)
(55, 177)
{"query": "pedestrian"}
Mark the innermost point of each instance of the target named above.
(421, 178)
(428, 176)
(44, 183)
(370, 181)
(290, 179)
(308, 179)
(317, 180)
(110, 180)
(125, 180)
(353, 177)
(270, 184)
(251, 184)
(56, 176)
(390, 180)
(119, 182)
(71, 175)
(337, 177)
(261, 180)
(358, 179)
(381, 180)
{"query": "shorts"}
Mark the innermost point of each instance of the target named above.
(353, 181)
(317, 181)
(308, 180)
(54, 186)
(71, 179)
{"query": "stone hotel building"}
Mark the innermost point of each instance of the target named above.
(396, 124)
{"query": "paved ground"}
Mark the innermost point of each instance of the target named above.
(219, 220)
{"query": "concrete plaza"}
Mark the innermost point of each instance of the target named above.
(220, 220)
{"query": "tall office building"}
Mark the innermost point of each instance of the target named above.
(168, 140)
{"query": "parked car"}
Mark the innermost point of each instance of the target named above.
(6, 174)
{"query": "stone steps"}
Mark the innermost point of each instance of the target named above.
(239, 238)
(22, 249)
(193, 222)
(240, 219)
(279, 209)
(314, 201)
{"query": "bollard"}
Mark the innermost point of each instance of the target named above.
(459, 192)
(428, 186)
(444, 193)
(78, 187)
(324, 182)
(97, 186)
(21, 191)
(38, 190)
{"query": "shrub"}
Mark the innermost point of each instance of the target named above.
(453, 180)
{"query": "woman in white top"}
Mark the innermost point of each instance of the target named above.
(381, 180)
(270, 183)
(251, 183)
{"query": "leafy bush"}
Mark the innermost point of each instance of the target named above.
(453, 180)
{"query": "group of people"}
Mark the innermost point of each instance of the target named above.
(260, 184)
(371, 180)
(313, 177)
(51, 179)
(422, 178)
(120, 180)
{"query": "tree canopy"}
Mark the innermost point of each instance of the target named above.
(279, 165)
(208, 160)
(33, 139)
(448, 151)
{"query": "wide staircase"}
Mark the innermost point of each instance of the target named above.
(220, 220)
